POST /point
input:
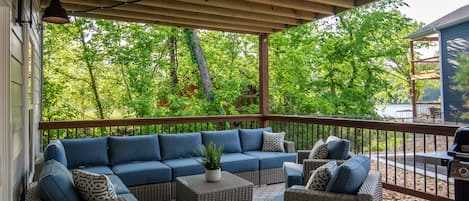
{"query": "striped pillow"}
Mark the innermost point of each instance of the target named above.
(93, 187)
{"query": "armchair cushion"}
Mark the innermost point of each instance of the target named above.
(175, 146)
(140, 173)
(133, 148)
(55, 150)
(273, 142)
(237, 162)
(184, 167)
(56, 183)
(350, 175)
(269, 160)
(293, 173)
(229, 139)
(119, 186)
(338, 149)
(86, 152)
(320, 150)
(251, 139)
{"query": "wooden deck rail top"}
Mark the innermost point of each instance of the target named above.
(445, 130)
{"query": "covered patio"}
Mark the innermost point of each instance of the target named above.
(392, 147)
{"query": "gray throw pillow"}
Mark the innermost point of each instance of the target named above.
(93, 187)
(319, 150)
(321, 176)
(273, 141)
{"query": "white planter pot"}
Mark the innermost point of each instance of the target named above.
(213, 175)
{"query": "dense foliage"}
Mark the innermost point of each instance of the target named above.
(343, 65)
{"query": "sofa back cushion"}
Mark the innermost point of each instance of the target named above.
(251, 139)
(86, 152)
(349, 176)
(56, 183)
(183, 145)
(229, 139)
(133, 148)
(55, 151)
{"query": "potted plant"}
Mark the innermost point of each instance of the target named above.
(211, 160)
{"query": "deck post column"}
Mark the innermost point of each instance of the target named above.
(264, 78)
(413, 92)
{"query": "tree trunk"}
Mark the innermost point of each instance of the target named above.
(173, 57)
(199, 58)
(94, 86)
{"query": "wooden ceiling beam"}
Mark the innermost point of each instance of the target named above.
(339, 3)
(181, 14)
(253, 8)
(179, 21)
(172, 4)
(126, 19)
(300, 5)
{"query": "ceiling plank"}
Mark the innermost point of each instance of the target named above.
(172, 4)
(338, 3)
(182, 21)
(180, 14)
(299, 5)
(126, 19)
(253, 8)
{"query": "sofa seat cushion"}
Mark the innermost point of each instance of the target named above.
(237, 162)
(133, 148)
(140, 173)
(55, 151)
(98, 170)
(293, 173)
(119, 186)
(56, 183)
(86, 152)
(184, 167)
(184, 145)
(127, 196)
(349, 176)
(229, 139)
(269, 160)
(251, 139)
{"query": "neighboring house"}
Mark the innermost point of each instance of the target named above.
(453, 33)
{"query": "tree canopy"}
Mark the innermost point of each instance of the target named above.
(342, 65)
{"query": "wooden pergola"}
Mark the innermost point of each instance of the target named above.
(256, 17)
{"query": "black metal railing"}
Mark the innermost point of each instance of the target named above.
(394, 148)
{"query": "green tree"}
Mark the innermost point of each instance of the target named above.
(461, 80)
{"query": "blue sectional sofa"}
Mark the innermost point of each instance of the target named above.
(145, 167)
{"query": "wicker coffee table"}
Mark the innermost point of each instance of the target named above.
(229, 188)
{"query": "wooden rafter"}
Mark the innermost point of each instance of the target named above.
(242, 16)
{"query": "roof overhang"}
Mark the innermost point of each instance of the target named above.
(240, 16)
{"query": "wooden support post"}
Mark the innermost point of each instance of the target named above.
(413, 93)
(264, 77)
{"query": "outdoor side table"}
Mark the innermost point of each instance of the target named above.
(229, 188)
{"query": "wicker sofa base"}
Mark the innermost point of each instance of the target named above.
(252, 176)
(152, 192)
(271, 176)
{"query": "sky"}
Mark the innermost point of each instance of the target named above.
(428, 11)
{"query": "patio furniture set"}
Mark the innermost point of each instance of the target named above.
(164, 167)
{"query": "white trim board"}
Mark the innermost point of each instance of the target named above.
(5, 160)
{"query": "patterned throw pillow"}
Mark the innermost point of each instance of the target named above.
(319, 150)
(273, 141)
(93, 187)
(321, 176)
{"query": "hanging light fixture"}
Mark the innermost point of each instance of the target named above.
(55, 13)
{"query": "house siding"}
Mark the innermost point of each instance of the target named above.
(454, 41)
(25, 94)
